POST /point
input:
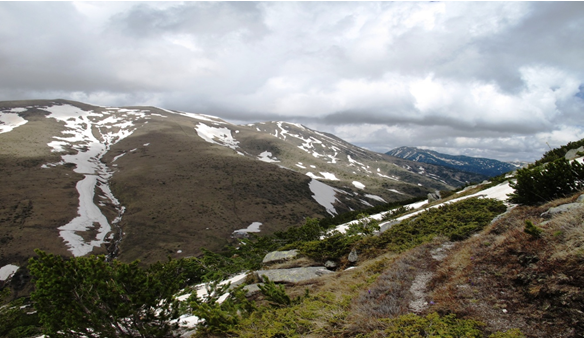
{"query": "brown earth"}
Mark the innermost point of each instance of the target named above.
(181, 193)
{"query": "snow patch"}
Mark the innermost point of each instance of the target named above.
(359, 185)
(217, 135)
(324, 195)
(9, 121)
(254, 227)
(375, 197)
(109, 128)
(267, 157)
(7, 271)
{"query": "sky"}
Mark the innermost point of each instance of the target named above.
(501, 80)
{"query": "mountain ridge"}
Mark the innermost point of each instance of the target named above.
(484, 166)
(146, 183)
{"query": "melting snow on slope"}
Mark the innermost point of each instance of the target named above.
(375, 197)
(79, 135)
(187, 320)
(7, 271)
(267, 157)
(324, 195)
(10, 120)
(325, 176)
(499, 192)
(254, 227)
(217, 135)
(359, 185)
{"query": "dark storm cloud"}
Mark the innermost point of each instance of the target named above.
(475, 76)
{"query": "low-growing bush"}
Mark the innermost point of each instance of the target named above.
(456, 221)
(432, 326)
(551, 181)
(531, 229)
(333, 247)
(220, 319)
(276, 295)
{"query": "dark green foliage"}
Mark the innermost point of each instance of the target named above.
(15, 320)
(276, 294)
(363, 226)
(87, 296)
(333, 247)
(456, 221)
(554, 180)
(558, 153)
(432, 326)
(311, 230)
(531, 229)
(220, 319)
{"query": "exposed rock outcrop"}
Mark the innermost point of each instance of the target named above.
(279, 256)
(293, 275)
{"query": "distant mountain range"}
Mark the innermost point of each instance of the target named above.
(147, 183)
(488, 167)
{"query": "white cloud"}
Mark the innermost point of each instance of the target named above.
(407, 73)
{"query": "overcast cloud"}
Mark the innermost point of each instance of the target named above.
(490, 79)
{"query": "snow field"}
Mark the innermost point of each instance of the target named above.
(79, 135)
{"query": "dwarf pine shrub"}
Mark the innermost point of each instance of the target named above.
(432, 326)
(531, 229)
(553, 180)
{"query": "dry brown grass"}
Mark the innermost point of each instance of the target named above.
(389, 295)
(510, 279)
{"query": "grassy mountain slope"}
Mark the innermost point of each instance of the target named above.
(181, 189)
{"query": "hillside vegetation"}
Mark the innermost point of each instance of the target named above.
(472, 268)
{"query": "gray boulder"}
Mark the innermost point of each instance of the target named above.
(434, 196)
(562, 209)
(279, 256)
(353, 256)
(330, 265)
(386, 225)
(293, 275)
(573, 153)
(252, 289)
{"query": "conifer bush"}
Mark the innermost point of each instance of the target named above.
(88, 296)
(220, 318)
(553, 180)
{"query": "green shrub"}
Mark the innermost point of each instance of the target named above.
(15, 320)
(511, 333)
(558, 153)
(276, 295)
(554, 180)
(333, 247)
(432, 326)
(363, 226)
(87, 296)
(220, 319)
(314, 316)
(456, 221)
(531, 229)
